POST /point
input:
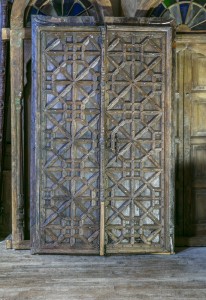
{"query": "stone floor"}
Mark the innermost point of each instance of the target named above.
(59, 277)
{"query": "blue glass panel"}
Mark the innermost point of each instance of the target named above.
(158, 10)
(33, 11)
(184, 10)
(76, 10)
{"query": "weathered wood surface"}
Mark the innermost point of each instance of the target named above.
(65, 202)
(135, 164)
(3, 55)
(180, 276)
(138, 161)
(16, 54)
(191, 140)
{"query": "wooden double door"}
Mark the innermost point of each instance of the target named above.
(101, 174)
(191, 140)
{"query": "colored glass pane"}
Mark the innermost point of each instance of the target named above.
(76, 10)
(184, 10)
(176, 14)
(159, 10)
(168, 3)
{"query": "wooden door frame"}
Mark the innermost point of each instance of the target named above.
(16, 34)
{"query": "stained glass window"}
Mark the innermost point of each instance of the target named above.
(59, 8)
(189, 15)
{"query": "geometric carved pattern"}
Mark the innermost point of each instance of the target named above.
(135, 129)
(101, 180)
(70, 126)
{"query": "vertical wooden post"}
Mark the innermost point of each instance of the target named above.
(3, 50)
(17, 72)
(102, 147)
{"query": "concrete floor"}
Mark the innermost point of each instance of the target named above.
(59, 277)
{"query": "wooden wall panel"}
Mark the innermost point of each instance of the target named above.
(192, 143)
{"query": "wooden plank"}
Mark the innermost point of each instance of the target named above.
(180, 276)
(16, 134)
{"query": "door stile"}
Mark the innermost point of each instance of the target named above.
(168, 128)
(102, 147)
(186, 146)
(179, 137)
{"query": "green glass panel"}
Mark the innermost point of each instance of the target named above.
(167, 3)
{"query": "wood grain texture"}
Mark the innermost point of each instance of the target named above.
(51, 277)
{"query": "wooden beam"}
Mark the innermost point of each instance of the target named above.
(6, 33)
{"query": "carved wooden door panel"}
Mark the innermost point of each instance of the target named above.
(138, 126)
(193, 62)
(66, 115)
(102, 167)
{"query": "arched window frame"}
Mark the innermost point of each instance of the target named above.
(189, 15)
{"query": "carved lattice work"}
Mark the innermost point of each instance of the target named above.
(100, 109)
(69, 133)
(135, 127)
